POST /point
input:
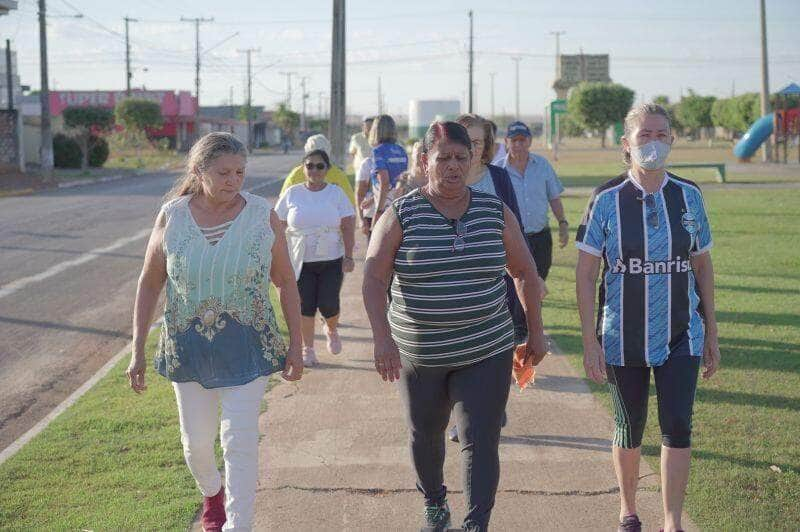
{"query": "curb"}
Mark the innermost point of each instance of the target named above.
(20, 442)
(110, 179)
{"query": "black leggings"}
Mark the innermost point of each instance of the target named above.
(676, 382)
(541, 246)
(319, 286)
(478, 394)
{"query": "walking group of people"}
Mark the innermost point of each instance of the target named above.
(459, 248)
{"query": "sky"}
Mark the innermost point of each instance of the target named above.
(418, 49)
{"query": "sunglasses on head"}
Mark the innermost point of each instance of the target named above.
(318, 166)
(459, 242)
(652, 213)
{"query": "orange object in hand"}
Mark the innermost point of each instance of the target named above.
(523, 370)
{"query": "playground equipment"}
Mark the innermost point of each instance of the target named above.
(755, 136)
(784, 123)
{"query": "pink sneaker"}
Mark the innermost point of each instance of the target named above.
(214, 512)
(334, 342)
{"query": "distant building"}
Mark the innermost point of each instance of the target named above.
(422, 112)
(177, 109)
(6, 6)
(231, 118)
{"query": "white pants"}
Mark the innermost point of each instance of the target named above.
(198, 410)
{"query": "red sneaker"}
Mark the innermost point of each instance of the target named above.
(214, 512)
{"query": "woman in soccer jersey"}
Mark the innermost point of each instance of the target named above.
(649, 230)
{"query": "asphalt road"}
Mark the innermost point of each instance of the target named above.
(69, 262)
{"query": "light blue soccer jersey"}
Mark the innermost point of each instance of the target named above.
(648, 301)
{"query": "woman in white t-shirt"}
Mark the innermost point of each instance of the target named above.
(320, 228)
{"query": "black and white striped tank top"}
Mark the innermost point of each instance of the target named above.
(448, 306)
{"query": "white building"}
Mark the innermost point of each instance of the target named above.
(422, 112)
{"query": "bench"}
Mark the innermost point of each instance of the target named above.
(720, 167)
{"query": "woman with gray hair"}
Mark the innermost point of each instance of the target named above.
(217, 248)
(650, 231)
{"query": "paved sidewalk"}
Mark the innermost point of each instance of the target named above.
(335, 453)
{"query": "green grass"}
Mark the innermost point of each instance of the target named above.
(146, 160)
(113, 461)
(747, 418)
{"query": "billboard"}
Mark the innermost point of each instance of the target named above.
(583, 67)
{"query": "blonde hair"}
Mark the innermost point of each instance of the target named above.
(207, 149)
(634, 118)
(383, 130)
(473, 120)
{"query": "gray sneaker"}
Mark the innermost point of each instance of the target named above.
(437, 518)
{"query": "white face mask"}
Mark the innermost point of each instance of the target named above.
(651, 156)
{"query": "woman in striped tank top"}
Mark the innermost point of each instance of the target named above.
(448, 335)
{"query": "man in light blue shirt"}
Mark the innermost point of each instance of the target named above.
(537, 188)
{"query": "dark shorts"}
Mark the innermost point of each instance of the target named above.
(319, 286)
(676, 383)
(541, 246)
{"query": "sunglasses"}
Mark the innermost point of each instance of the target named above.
(318, 166)
(459, 242)
(652, 213)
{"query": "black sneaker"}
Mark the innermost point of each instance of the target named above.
(437, 518)
(630, 523)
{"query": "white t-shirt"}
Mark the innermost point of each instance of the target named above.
(319, 215)
(363, 173)
(360, 148)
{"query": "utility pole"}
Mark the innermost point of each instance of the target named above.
(380, 97)
(128, 74)
(471, 61)
(516, 61)
(491, 76)
(558, 35)
(305, 97)
(248, 104)
(46, 149)
(556, 135)
(9, 76)
(230, 101)
(197, 21)
(766, 154)
(319, 104)
(336, 132)
(288, 87)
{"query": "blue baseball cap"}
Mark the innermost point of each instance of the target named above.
(518, 128)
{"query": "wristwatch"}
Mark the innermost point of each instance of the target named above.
(563, 222)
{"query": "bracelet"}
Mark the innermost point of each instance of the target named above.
(348, 258)
(563, 222)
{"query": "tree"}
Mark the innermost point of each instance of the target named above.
(137, 114)
(595, 106)
(86, 123)
(694, 111)
(661, 100)
(286, 119)
(569, 127)
(736, 114)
